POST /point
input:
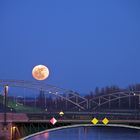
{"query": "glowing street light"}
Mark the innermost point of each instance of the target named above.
(6, 88)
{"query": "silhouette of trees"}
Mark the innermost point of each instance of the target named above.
(104, 90)
(135, 87)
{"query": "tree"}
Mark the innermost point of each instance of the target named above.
(97, 91)
(41, 99)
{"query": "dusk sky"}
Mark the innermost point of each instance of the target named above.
(84, 43)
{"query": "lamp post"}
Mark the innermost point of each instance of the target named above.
(5, 105)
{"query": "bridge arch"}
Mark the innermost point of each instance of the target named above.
(99, 101)
(68, 95)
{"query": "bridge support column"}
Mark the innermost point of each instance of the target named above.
(119, 101)
(87, 104)
(129, 101)
(109, 102)
(139, 102)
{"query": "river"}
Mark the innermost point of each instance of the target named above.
(91, 133)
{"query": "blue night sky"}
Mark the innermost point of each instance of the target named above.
(85, 43)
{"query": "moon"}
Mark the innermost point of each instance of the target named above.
(40, 72)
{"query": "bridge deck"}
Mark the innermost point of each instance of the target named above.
(71, 121)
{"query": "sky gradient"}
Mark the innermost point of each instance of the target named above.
(84, 43)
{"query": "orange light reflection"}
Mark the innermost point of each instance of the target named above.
(46, 135)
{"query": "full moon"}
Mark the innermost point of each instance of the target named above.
(40, 72)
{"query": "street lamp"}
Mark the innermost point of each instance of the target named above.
(13, 129)
(5, 105)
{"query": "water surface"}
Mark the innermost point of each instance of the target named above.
(91, 133)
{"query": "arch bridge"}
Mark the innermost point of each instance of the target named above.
(119, 98)
(75, 100)
(87, 108)
(69, 96)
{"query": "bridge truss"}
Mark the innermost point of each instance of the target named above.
(99, 101)
(69, 96)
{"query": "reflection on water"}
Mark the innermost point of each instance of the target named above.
(91, 133)
(44, 136)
